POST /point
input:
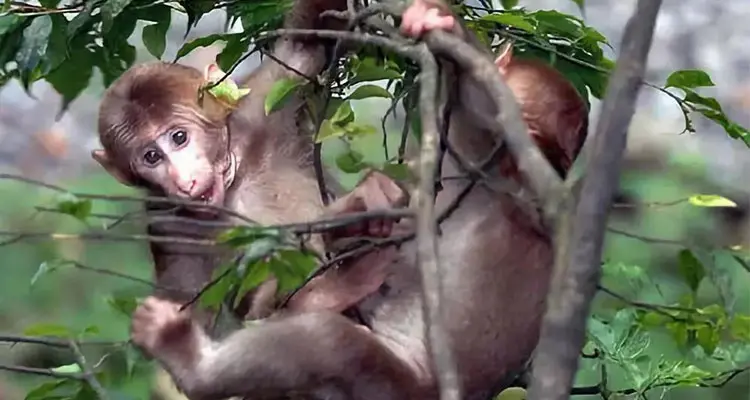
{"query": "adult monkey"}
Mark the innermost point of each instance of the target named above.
(156, 135)
(494, 291)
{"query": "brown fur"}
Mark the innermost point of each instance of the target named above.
(497, 271)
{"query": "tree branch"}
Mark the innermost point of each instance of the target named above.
(577, 273)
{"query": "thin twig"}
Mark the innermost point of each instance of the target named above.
(88, 373)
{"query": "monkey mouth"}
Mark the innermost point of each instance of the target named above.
(213, 195)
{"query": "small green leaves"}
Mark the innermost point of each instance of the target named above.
(111, 9)
(515, 20)
(154, 35)
(204, 41)
(342, 123)
(71, 205)
(369, 90)
(691, 269)
(245, 235)
(710, 200)
(351, 162)
(49, 330)
(225, 91)
(398, 172)
(124, 305)
(33, 46)
(281, 91)
(68, 369)
(709, 107)
(367, 70)
(508, 4)
(692, 79)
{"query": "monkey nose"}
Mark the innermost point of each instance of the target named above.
(187, 186)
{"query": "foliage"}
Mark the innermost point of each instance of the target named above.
(63, 44)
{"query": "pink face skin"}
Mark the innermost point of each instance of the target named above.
(177, 162)
(422, 17)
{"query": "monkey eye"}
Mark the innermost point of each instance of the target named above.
(152, 157)
(179, 138)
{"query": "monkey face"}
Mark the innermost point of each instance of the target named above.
(183, 161)
(157, 136)
(184, 164)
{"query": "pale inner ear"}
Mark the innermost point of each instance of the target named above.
(505, 56)
(100, 156)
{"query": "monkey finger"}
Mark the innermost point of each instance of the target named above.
(433, 20)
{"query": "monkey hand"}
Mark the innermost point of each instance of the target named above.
(375, 192)
(159, 326)
(423, 16)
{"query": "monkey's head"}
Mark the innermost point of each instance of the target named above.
(156, 134)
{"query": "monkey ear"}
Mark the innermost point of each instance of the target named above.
(212, 73)
(100, 156)
(215, 107)
(505, 56)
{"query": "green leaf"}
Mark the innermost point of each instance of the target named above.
(369, 90)
(291, 268)
(212, 297)
(228, 91)
(353, 130)
(739, 327)
(399, 172)
(257, 273)
(71, 205)
(555, 22)
(514, 20)
(343, 115)
(232, 52)
(68, 369)
(351, 162)
(34, 43)
(111, 9)
(204, 41)
(733, 129)
(154, 36)
(689, 78)
(710, 200)
(679, 332)
(508, 4)
(281, 91)
(720, 266)
(72, 77)
(44, 391)
(708, 338)
(368, 70)
(48, 330)
(124, 305)
(691, 269)
(652, 319)
(579, 3)
(260, 248)
(512, 393)
(244, 235)
(9, 22)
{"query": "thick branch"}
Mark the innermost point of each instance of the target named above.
(509, 126)
(576, 275)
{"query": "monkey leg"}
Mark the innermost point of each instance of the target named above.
(318, 354)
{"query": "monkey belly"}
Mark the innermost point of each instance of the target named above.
(496, 276)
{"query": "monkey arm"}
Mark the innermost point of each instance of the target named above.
(317, 353)
(296, 56)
